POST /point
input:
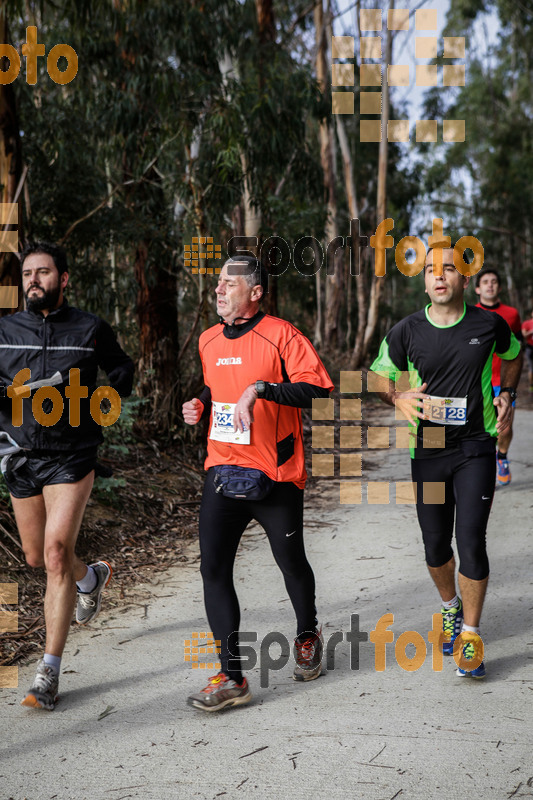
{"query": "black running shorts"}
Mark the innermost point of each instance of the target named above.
(44, 468)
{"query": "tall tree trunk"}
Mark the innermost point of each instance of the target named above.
(334, 282)
(157, 292)
(266, 31)
(379, 282)
(265, 20)
(353, 206)
(252, 214)
(157, 317)
(318, 337)
(10, 173)
(112, 252)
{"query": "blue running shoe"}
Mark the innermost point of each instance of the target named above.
(469, 651)
(503, 476)
(452, 622)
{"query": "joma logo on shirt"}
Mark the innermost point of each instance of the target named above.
(225, 362)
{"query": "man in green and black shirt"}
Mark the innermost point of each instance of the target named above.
(446, 350)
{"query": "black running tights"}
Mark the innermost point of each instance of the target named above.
(222, 523)
(468, 492)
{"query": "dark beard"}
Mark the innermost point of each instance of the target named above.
(46, 300)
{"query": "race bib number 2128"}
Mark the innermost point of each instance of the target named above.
(445, 410)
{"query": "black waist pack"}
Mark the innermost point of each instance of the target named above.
(241, 483)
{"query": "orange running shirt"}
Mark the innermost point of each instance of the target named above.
(272, 351)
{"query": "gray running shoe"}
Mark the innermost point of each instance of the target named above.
(221, 692)
(308, 657)
(43, 693)
(89, 603)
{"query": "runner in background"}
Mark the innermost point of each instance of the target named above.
(527, 333)
(49, 470)
(259, 371)
(488, 285)
(446, 350)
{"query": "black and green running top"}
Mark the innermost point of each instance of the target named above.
(455, 361)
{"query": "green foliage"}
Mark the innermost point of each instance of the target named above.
(120, 437)
(5, 497)
(120, 442)
(175, 107)
(484, 186)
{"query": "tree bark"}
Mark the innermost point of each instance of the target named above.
(379, 282)
(10, 174)
(157, 292)
(265, 20)
(334, 281)
(351, 195)
(158, 328)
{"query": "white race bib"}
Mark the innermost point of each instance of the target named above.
(446, 410)
(222, 426)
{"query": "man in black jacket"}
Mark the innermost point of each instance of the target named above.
(56, 349)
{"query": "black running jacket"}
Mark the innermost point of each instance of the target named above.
(66, 338)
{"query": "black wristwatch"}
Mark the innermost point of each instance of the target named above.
(511, 391)
(260, 387)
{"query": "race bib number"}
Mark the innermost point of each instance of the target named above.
(222, 426)
(446, 410)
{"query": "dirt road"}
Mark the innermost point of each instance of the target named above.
(123, 730)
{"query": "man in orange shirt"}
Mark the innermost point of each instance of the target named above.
(259, 371)
(488, 286)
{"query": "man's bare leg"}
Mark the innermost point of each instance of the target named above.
(65, 505)
(503, 473)
(30, 516)
(504, 441)
(473, 595)
(444, 579)
(48, 525)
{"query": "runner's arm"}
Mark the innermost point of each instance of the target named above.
(198, 408)
(410, 403)
(511, 370)
(118, 366)
(205, 399)
(299, 395)
(389, 365)
(509, 376)
(304, 376)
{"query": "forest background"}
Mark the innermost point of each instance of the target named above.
(213, 118)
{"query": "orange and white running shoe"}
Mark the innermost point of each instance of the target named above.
(221, 692)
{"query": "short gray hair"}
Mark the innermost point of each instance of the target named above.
(251, 269)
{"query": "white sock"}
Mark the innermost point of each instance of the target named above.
(52, 661)
(88, 583)
(470, 629)
(454, 603)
